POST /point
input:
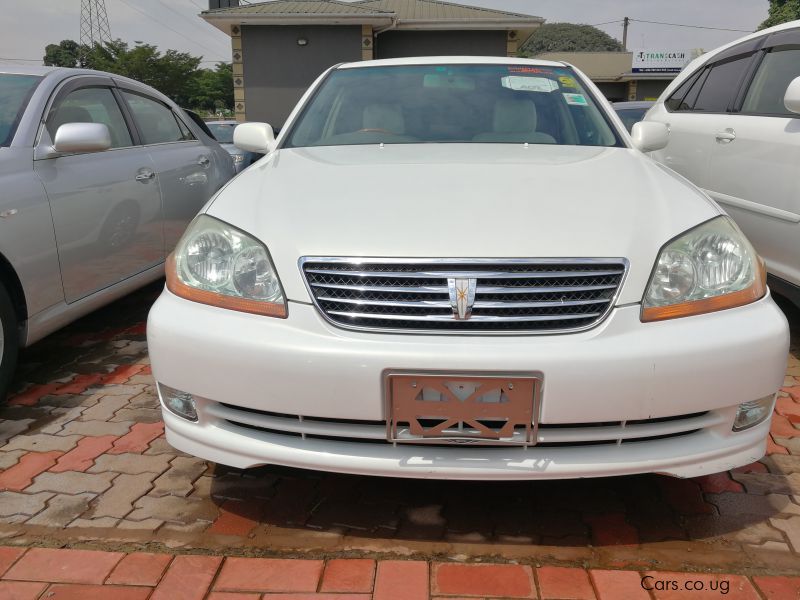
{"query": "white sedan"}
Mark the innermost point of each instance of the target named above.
(465, 268)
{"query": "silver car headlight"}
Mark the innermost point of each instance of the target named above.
(217, 264)
(711, 267)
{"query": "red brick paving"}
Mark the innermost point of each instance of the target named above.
(139, 438)
(21, 475)
(43, 572)
(82, 456)
(564, 583)
(188, 578)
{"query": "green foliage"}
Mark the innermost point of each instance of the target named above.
(569, 37)
(781, 11)
(175, 74)
(64, 54)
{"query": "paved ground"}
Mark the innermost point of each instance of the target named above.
(83, 463)
(87, 574)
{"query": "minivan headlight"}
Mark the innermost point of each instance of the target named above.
(708, 268)
(217, 264)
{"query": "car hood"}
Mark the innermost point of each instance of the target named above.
(462, 201)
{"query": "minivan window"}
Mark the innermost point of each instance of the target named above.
(721, 85)
(776, 72)
(480, 103)
(91, 105)
(675, 101)
(15, 91)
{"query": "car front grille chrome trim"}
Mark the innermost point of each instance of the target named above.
(478, 296)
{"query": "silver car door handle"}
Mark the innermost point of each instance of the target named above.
(203, 161)
(145, 175)
(726, 136)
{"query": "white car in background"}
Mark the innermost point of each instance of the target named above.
(734, 120)
(465, 268)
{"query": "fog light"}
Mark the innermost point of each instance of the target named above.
(754, 412)
(178, 402)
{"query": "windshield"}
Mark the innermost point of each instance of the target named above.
(15, 91)
(223, 132)
(631, 116)
(505, 104)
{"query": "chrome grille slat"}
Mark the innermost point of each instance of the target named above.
(510, 295)
(475, 318)
(464, 274)
(446, 304)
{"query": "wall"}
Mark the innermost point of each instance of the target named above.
(277, 71)
(395, 44)
(651, 89)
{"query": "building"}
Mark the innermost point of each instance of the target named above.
(281, 46)
(638, 75)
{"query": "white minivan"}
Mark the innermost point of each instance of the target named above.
(734, 121)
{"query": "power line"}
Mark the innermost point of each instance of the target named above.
(22, 59)
(607, 23)
(141, 12)
(175, 12)
(691, 26)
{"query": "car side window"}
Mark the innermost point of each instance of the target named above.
(91, 105)
(721, 85)
(675, 101)
(765, 96)
(156, 122)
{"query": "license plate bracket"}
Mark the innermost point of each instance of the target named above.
(426, 408)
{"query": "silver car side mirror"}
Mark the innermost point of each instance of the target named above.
(82, 137)
(649, 136)
(254, 137)
(792, 98)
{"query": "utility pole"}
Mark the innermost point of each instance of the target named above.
(94, 25)
(625, 22)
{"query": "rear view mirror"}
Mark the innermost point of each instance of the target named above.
(82, 137)
(254, 137)
(649, 136)
(792, 98)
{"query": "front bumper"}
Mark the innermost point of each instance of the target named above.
(622, 370)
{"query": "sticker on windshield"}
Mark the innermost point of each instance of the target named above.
(518, 69)
(576, 99)
(521, 83)
(567, 81)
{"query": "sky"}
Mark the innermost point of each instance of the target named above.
(27, 26)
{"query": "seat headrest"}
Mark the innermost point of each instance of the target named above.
(514, 116)
(384, 116)
(71, 114)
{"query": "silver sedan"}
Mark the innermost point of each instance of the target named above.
(100, 176)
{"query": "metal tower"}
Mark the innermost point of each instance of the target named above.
(94, 23)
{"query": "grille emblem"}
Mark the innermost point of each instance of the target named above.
(462, 297)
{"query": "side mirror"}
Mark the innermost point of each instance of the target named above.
(792, 98)
(82, 137)
(254, 137)
(649, 136)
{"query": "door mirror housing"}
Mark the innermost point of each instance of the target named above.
(82, 137)
(649, 136)
(254, 137)
(791, 99)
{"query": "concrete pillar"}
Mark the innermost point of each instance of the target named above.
(632, 90)
(512, 43)
(238, 73)
(367, 43)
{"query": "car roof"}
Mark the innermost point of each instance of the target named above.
(451, 60)
(223, 122)
(703, 59)
(9, 69)
(636, 104)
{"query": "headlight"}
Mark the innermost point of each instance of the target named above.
(709, 268)
(215, 263)
(237, 158)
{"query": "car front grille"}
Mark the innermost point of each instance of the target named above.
(508, 296)
(548, 435)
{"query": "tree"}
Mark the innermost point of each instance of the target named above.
(64, 54)
(781, 11)
(569, 37)
(174, 74)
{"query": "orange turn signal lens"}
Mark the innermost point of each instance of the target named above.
(256, 307)
(706, 305)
